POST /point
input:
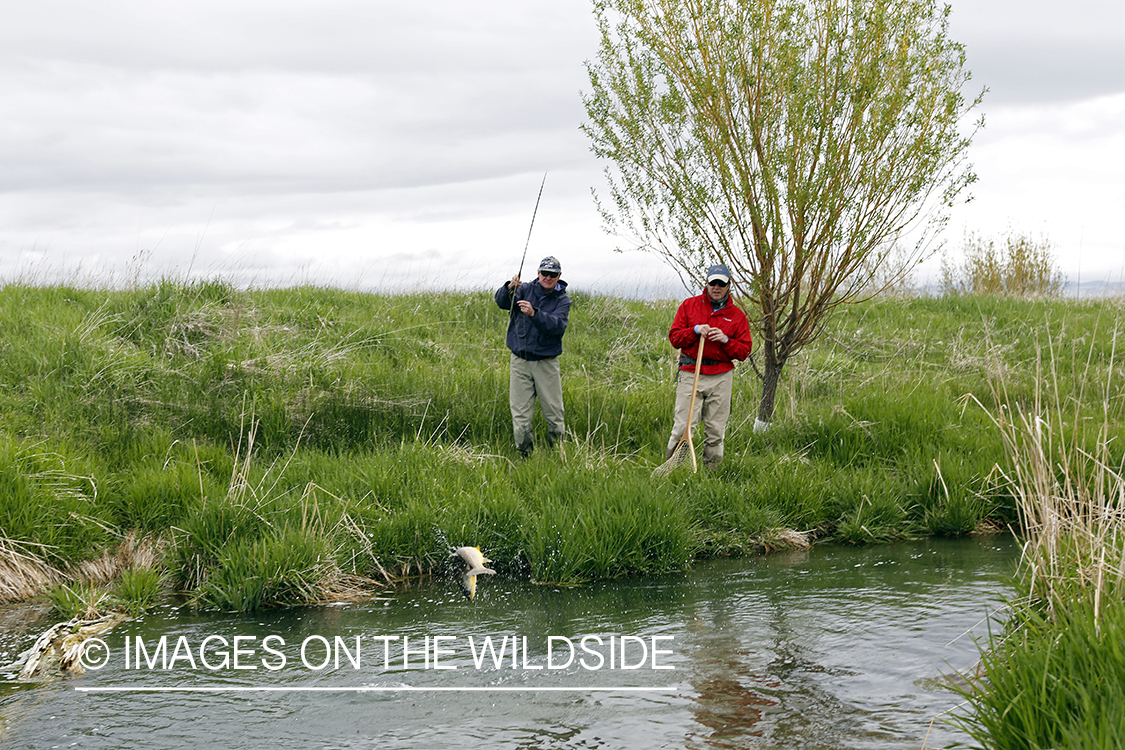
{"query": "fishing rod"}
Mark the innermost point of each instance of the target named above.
(512, 292)
(526, 244)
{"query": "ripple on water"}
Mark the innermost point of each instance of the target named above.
(820, 649)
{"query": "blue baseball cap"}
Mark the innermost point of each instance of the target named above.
(718, 272)
(550, 263)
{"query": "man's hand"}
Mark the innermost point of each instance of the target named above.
(514, 284)
(526, 308)
(713, 334)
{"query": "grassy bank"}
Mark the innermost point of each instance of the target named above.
(293, 445)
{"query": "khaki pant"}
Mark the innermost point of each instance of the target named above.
(529, 380)
(712, 403)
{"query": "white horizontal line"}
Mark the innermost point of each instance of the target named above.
(372, 689)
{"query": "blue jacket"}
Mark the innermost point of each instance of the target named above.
(538, 336)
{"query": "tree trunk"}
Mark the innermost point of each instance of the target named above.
(771, 374)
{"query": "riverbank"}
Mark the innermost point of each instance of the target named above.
(1055, 677)
(285, 446)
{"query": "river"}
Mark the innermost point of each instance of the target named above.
(830, 648)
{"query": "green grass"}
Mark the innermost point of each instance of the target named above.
(138, 588)
(382, 437)
(85, 601)
(48, 498)
(1053, 682)
(275, 568)
(619, 528)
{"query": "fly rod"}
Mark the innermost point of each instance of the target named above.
(528, 243)
(512, 292)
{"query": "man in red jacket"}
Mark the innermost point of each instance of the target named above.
(713, 316)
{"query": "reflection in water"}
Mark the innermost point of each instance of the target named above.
(814, 650)
(823, 649)
(730, 709)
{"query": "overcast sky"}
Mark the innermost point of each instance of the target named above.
(373, 144)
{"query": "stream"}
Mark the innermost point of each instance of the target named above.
(836, 647)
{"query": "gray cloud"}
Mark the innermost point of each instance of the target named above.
(275, 135)
(346, 96)
(1042, 51)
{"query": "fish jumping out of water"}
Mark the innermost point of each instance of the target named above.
(475, 562)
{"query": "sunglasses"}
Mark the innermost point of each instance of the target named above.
(717, 282)
(549, 274)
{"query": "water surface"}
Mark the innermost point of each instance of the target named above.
(831, 648)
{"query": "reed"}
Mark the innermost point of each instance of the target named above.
(1065, 470)
(1057, 676)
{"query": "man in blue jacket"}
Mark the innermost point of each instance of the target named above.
(539, 311)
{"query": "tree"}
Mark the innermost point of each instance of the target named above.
(793, 140)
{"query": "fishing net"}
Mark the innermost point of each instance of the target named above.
(685, 449)
(681, 455)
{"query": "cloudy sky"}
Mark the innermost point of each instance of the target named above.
(369, 144)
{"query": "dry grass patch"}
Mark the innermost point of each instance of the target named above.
(143, 553)
(23, 574)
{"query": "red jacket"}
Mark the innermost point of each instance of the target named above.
(717, 358)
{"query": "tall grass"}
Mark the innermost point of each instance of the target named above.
(84, 600)
(621, 528)
(281, 567)
(1057, 677)
(46, 499)
(1055, 681)
(138, 588)
(1066, 467)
